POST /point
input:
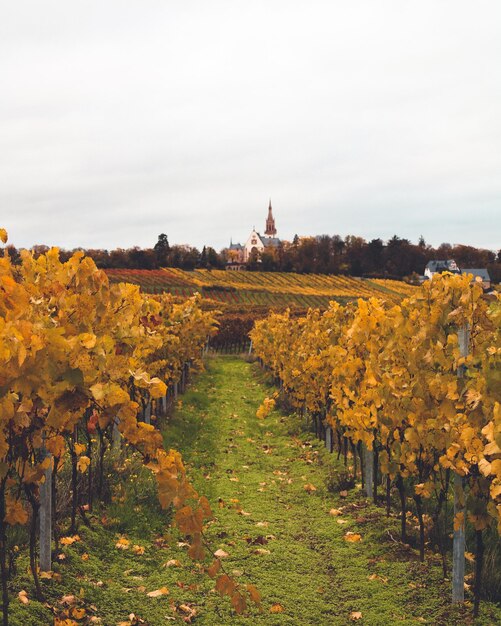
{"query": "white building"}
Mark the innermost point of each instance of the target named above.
(255, 245)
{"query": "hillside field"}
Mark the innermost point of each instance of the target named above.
(262, 289)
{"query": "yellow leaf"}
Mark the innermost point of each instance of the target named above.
(77, 613)
(276, 608)
(458, 521)
(80, 448)
(87, 340)
(15, 513)
(355, 615)
(139, 550)
(335, 512)
(3, 235)
(83, 464)
(67, 541)
(158, 592)
(23, 596)
(122, 544)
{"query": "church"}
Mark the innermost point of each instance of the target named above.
(255, 245)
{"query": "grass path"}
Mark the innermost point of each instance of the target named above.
(256, 471)
(278, 536)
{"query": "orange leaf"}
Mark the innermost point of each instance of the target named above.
(225, 586)
(353, 537)
(214, 568)
(238, 602)
(254, 594)
(355, 615)
(277, 608)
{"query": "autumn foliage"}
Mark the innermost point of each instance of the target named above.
(79, 357)
(393, 378)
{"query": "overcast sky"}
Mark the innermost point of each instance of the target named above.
(122, 119)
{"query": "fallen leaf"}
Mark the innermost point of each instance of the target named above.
(68, 599)
(158, 592)
(309, 488)
(221, 554)
(85, 556)
(343, 494)
(335, 512)
(67, 541)
(261, 551)
(173, 563)
(23, 597)
(138, 550)
(353, 537)
(276, 608)
(355, 615)
(122, 544)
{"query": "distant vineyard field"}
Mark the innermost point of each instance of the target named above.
(262, 289)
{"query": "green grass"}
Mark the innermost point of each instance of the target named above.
(253, 473)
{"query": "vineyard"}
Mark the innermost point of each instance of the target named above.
(85, 367)
(124, 502)
(411, 393)
(265, 289)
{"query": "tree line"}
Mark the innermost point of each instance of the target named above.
(396, 258)
(354, 256)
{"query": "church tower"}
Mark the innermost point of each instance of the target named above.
(270, 231)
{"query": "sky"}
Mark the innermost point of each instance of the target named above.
(122, 119)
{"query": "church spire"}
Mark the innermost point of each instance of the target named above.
(270, 231)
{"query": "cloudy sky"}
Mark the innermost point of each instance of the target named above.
(122, 119)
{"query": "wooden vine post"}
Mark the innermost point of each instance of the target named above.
(46, 520)
(458, 546)
(368, 456)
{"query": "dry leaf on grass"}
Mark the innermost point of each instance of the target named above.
(23, 597)
(353, 537)
(221, 554)
(158, 592)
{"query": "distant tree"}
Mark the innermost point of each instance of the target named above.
(214, 260)
(203, 258)
(162, 250)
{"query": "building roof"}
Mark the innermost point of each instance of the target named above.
(443, 265)
(480, 272)
(235, 246)
(270, 242)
